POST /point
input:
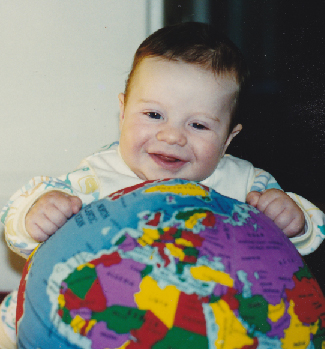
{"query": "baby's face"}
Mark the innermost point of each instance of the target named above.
(176, 119)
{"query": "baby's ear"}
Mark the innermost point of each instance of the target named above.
(121, 98)
(231, 136)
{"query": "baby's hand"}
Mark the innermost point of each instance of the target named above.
(49, 213)
(278, 206)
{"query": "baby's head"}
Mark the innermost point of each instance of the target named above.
(195, 43)
(178, 111)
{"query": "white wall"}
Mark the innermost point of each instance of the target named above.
(62, 65)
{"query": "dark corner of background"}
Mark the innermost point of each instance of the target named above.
(283, 114)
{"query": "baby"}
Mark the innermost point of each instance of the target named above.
(177, 118)
(178, 115)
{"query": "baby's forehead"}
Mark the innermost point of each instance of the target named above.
(207, 67)
(197, 91)
(228, 78)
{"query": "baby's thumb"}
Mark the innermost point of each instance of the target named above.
(253, 197)
(76, 204)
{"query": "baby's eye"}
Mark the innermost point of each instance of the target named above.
(154, 115)
(198, 126)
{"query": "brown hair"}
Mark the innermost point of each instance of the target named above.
(194, 43)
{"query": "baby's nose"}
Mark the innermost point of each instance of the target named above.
(172, 135)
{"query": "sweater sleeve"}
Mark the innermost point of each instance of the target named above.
(82, 183)
(315, 226)
(314, 217)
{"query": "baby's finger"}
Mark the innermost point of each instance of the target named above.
(76, 204)
(267, 203)
(274, 209)
(65, 204)
(40, 228)
(253, 197)
(280, 216)
(291, 224)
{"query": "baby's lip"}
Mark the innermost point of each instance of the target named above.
(167, 156)
(168, 161)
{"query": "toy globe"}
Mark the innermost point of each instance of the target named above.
(169, 264)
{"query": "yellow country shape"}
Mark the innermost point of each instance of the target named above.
(231, 333)
(90, 325)
(183, 242)
(192, 221)
(162, 302)
(81, 266)
(77, 323)
(275, 312)
(207, 274)
(175, 251)
(148, 237)
(189, 189)
(297, 335)
(124, 346)
(61, 300)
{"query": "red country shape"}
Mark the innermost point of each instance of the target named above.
(107, 259)
(309, 300)
(169, 234)
(230, 299)
(21, 291)
(116, 195)
(195, 239)
(155, 221)
(209, 220)
(152, 331)
(253, 346)
(95, 299)
(189, 313)
(161, 250)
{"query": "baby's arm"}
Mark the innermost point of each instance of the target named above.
(49, 213)
(278, 206)
(81, 182)
(314, 229)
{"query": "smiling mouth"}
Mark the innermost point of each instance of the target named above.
(167, 162)
(167, 158)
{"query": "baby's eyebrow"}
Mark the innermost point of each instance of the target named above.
(209, 116)
(148, 101)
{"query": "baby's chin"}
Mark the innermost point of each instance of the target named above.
(170, 176)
